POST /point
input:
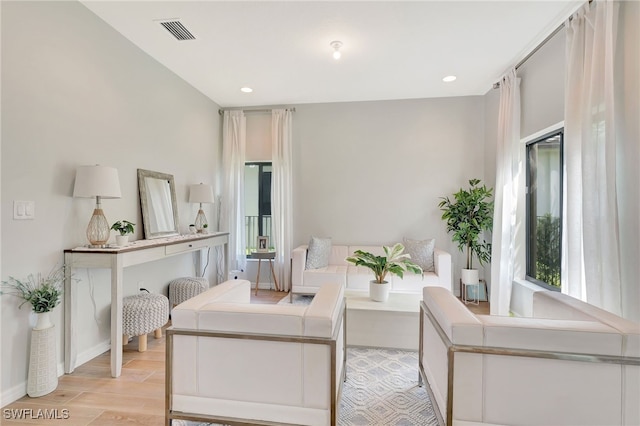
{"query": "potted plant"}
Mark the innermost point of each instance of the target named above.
(394, 262)
(43, 294)
(124, 227)
(468, 216)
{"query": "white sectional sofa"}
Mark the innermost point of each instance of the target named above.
(229, 361)
(309, 281)
(571, 364)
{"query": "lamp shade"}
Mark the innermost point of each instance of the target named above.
(97, 181)
(201, 193)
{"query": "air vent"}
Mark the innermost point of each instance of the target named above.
(178, 30)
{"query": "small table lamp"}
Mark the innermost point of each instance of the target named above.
(100, 182)
(201, 194)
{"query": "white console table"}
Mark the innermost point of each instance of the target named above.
(116, 259)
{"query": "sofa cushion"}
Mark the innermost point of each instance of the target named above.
(318, 277)
(318, 253)
(421, 252)
(587, 337)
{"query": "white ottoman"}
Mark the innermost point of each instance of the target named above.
(185, 288)
(142, 314)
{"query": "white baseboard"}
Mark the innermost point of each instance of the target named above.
(15, 393)
(93, 352)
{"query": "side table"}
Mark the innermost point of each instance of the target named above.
(477, 299)
(269, 255)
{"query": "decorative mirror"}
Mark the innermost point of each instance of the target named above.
(158, 204)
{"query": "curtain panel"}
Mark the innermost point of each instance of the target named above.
(591, 240)
(232, 211)
(281, 193)
(509, 178)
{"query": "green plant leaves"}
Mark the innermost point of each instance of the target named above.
(468, 217)
(394, 261)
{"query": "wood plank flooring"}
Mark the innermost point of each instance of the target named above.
(90, 396)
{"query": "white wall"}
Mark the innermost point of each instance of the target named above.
(373, 172)
(75, 92)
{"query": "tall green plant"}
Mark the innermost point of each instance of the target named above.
(548, 250)
(468, 215)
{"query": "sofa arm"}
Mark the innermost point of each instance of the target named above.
(442, 266)
(298, 265)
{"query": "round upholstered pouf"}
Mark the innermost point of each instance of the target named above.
(142, 314)
(182, 289)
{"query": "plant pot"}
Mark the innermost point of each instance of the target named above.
(470, 276)
(122, 240)
(379, 292)
(43, 321)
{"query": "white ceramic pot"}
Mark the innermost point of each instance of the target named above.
(122, 240)
(43, 321)
(470, 276)
(379, 292)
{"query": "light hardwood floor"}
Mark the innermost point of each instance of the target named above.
(92, 397)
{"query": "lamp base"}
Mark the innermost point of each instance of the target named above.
(98, 229)
(201, 223)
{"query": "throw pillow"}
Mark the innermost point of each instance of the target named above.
(318, 253)
(421, 252)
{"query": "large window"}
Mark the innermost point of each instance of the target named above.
(257, 203)
(544, 210)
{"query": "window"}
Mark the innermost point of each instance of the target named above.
(544, 210)
(257, 202)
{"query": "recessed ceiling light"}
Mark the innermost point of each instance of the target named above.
(336, 49)
(246, 89)
(449, 78)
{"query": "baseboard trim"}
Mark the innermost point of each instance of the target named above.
(93, 352)
(15, 393)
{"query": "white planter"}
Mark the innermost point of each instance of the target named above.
(122, 240)
(43, 321)
(470, 276)
(379, 292)
(43, 359)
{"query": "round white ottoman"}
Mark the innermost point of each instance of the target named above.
(185, 288)
(142, 314)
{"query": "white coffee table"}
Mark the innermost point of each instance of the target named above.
(391, 324)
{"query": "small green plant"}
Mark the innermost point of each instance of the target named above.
(394, 261)
(468, 216)
(205, 226)
(43, 294)
(124, 227)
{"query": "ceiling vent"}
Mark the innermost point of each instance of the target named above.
(178, 30)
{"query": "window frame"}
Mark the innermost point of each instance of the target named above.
(528, 222)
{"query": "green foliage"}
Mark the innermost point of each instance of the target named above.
(124, 227)
(468, 215)
(43, 294)
(548, 250)
(394, 262)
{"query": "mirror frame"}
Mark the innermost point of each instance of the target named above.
(142, 188)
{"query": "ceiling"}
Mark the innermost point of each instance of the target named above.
(391, 50)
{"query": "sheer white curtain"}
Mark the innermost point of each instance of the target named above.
(591, 258)
(232, 211)
(509, 177)
(281, 192)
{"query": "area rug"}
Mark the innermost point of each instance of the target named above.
(381, 389)
(298, 299)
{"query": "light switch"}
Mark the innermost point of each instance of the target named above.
(24, 210)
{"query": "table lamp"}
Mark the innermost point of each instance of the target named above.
(100, 182)
(201, 194)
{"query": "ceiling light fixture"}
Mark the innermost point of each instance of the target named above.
(449, 78)
(336, 49)
(246, 89)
